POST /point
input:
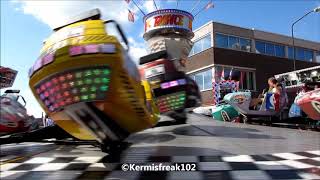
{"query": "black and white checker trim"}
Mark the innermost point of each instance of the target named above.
(298, 165)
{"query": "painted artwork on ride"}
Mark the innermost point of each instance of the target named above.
(310, 103)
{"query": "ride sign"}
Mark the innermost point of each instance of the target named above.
(168, 18)
(7, 77)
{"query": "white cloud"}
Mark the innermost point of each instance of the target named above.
(33, 107)
(137, 49)
(149, 6)
(54, 13)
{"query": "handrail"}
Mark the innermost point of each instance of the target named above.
(124, 38)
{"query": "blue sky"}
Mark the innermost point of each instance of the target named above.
(25, 24)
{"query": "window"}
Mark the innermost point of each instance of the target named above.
(206, 42)
(279, 50)
(246, 78)
(199, 80)
(207, 79)
(308, 55)
(232, 42)
(301, 54)
(221, 41)
(318, 56)
(290, 53)
(260, 47)
(196, 47)
(203, 79)
(201, 45)
(270, 49)
(245, 44)
(250, 80)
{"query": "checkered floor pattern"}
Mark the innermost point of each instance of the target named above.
(298, 165)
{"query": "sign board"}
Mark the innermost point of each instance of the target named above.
(7, 77)
(168, 18)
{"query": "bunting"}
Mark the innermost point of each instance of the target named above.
(209, 5)
(222, 74)
(130, 16)
(230, 74)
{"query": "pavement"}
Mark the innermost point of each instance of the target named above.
(214, 150)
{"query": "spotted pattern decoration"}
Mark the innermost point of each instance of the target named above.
(218, 86)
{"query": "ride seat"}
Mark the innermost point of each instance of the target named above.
(271, 102)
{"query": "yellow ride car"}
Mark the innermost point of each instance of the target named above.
(86, 82)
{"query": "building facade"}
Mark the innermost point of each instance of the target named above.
(224, 52)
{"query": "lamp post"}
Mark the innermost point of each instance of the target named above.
(292, 36)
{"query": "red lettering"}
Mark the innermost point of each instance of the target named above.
(157, 21)
(172, 19)
(168, 19)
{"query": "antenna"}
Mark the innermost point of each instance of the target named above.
(177, 4)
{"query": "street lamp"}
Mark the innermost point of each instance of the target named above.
(317, 9)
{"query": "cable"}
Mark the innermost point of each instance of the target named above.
(196, 4)
(204, 8)
(138, 7)
(155, 5)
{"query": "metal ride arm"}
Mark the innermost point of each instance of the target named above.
(25, 103)
(124, 38)
(89, 15)
(153, 57)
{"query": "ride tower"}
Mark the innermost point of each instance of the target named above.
(169, 30)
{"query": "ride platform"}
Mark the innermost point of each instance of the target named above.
(220, 150)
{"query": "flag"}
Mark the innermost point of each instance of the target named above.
(130, 16)
(222, 74)
(230, 74)
(213, 75)
(127, 1)
(209, 5)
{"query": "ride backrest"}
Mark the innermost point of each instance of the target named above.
(93, 14)
(271, 102)
(239, 99)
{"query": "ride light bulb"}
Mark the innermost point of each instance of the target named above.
(48, 58)
(93, 48)
(71, 88)
(76, 50)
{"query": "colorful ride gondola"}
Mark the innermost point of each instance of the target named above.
(86, 82)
